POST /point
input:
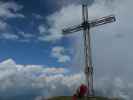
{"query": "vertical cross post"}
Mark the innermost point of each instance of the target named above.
(87, 50)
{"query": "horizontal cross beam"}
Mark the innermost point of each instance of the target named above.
(72, 29)
(102, 21)
(90, 24)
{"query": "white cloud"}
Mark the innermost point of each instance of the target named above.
(59, 20)
(26, 35)
(6, 7)
(9, 36)
(58, 52)
(37, 16)
(3, 25)
(42, 29)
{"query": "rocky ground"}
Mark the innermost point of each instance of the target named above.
(89, 98)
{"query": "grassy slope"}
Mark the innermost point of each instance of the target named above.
(90, 98)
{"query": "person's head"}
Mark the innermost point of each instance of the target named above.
(83, 89)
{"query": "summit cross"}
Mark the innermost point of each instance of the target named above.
(85, 26)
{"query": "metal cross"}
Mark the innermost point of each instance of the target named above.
(85, 26)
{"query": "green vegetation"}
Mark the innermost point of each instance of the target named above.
(89, 98)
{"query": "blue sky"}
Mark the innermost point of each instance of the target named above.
(23, 45)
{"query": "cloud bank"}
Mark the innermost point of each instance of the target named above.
(36, 81)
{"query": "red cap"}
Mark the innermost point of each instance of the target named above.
(83, 89)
